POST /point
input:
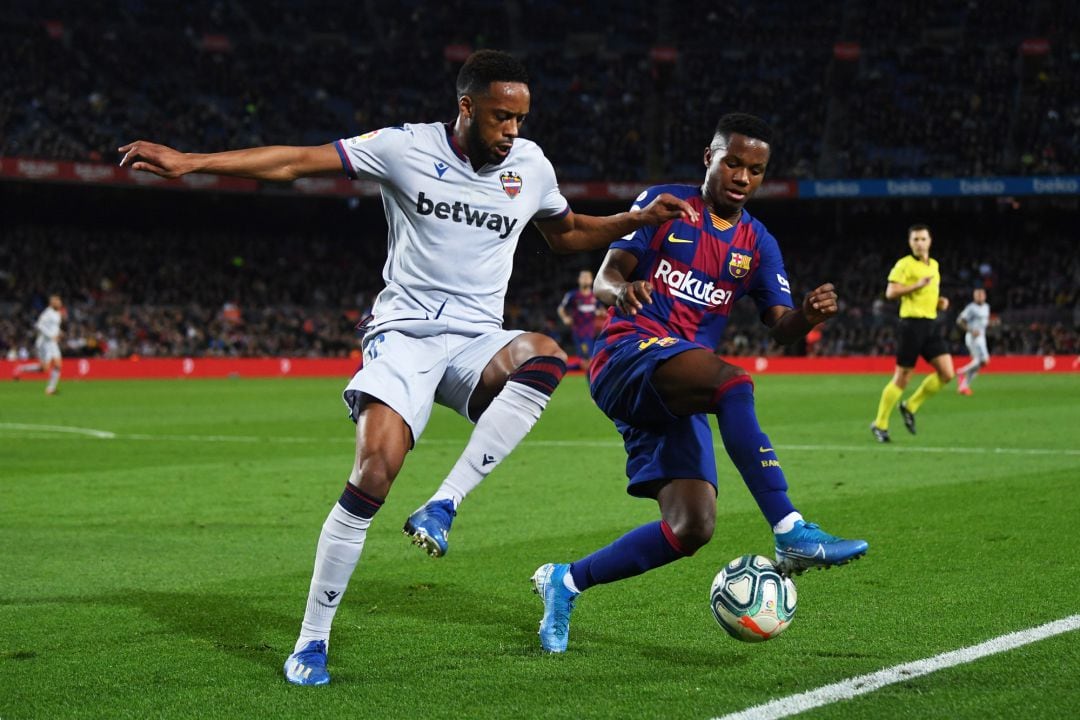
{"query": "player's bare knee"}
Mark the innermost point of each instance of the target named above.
(375, 472)
(730, 374)
(533, 345)
(694, 532)
(693, 526)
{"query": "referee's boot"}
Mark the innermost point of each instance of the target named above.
(909, 418)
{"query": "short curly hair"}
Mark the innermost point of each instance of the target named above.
(744, 124)
(487, 66)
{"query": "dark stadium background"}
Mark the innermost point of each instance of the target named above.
(626, 92)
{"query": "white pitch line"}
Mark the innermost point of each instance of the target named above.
(37, 431)
(853, 687)
(103, 434)
(873, 447)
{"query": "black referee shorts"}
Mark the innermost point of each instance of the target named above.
(919, 336)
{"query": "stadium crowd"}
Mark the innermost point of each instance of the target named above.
(878, 89)
(254, 292)
(868, 89)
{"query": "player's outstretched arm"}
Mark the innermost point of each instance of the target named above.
(613, 288)
(276, 163)
(577, 233)
(790, 324)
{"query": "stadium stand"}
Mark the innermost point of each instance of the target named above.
(855, 89)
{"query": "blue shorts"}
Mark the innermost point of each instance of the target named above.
(583, 345)
(659, 446)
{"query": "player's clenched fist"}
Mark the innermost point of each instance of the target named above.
(633, 296)
(820, 304)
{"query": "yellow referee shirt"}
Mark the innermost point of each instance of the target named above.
(923, 302)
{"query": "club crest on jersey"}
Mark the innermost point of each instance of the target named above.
(511, 183)
(738, 264)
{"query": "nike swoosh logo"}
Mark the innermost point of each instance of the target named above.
(672, 239)
(764, 449)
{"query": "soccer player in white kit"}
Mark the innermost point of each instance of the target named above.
(47, 345)
(456, 197)
(974, 319)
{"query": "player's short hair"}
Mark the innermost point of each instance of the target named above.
(916, 227)
(487, 66)
(744, 124)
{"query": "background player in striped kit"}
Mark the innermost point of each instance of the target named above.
(656, 374)
(47, 345)
(578, 311)
(974, 319)
(457, 197)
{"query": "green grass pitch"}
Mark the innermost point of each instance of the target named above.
(157, 540)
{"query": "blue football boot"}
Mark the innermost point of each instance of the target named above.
(307, 666)
(808, 546)
(430, 525)
(558, 604)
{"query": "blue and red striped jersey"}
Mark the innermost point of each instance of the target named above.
(698, 271)
(581, 306)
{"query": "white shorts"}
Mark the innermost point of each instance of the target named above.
(412, 372)
(47, 350)
(977, 347)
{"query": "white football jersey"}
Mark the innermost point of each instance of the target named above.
(976, 317)
(48, 324)
(452, 230)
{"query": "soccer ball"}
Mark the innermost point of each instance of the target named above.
(751, 599)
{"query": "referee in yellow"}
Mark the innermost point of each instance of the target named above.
(916, 280)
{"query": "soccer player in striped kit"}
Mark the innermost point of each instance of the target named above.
(456, 196)
(578, 311)
(670, 288)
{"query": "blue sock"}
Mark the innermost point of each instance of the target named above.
(638, 551)
(751, 450)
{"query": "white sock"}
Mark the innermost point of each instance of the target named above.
(503, 425)
(54, 378)
(787, 523)
(340, 544)
(568, 583)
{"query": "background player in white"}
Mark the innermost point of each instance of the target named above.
(974, 319)
(457, 197)
(47, 345)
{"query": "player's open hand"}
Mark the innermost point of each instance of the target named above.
(153, 158)
(943, 304)
(666, 207)
(633, 296)
(820, 304)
